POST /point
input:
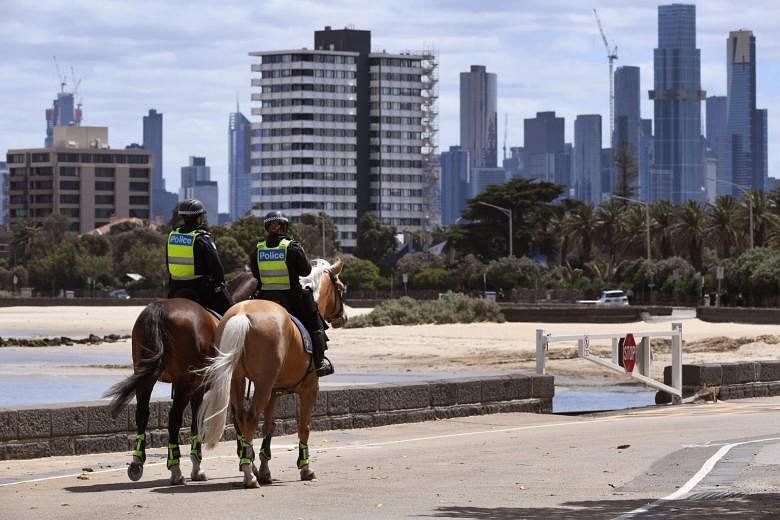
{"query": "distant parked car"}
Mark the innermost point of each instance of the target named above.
(119, 293)
(612, 298)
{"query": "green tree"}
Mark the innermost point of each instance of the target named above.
(662, 215)
(580, 227)
(432, 278)
(531, 203)
(689, 231)
(309, 233)
(609, 225)
(230, 252)
(721, 225)
(149, 262)
(626, 171)
(247, 231)
(511, 272)
(360, 274)
(374, 240)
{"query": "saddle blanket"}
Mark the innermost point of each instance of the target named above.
(304, 334)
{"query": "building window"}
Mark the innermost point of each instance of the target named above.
(104, 186)
(68, 157)
(139, 186)
(43, 171)
(139, 173)
(68, 198)
(69, 171)
(70, 185)
(103, 158)
(70, 212)
(15, 158)
(139, 200)
(139, 213)
(85, 157)
(137, 159)
(41, 185)
(104, 199)
(104, 172)
(40, 157)
(103, 212)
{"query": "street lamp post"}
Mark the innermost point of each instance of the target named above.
(647, 219)
(745, 191)
(508, 213)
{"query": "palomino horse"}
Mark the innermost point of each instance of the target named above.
(171, 340)
(258, 341)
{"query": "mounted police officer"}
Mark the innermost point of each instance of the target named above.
(194, 266)
(277, 265)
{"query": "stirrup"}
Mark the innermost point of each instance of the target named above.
(325, 368)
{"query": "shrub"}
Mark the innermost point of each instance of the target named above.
(406, 311)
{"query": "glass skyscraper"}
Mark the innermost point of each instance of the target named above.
(455, 180)
(679, 149)
(587, 159)
(478, 116)
(744, 153)
(239, 175)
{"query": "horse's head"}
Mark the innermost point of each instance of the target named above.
(242, 286)
(331, 296)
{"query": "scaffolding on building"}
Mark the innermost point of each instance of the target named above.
(430, 138)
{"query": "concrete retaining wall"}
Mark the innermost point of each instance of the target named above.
(727, 380)
(89, 428)
(739, 315)
(582, 313)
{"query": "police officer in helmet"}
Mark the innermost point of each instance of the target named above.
(194, 266)
(277, 265)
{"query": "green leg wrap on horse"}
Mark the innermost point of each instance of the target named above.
(247, 454)
(303, 455)
(139, 450)
(173, 455)
(196, 450)
(265, 449)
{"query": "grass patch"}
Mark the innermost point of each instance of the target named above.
(407, 311)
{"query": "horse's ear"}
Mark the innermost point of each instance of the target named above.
(337, 267)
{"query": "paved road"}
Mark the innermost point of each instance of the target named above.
(720, 460)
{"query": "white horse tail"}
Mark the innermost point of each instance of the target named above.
(213, 412)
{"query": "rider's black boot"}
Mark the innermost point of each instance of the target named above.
(319, 345)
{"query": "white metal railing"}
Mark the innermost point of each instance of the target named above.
(644, 358)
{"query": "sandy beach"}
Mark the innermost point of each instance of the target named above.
(477, 347)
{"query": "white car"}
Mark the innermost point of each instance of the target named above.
(612, 298)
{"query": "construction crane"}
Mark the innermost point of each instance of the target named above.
(611, 56)
(59, 75)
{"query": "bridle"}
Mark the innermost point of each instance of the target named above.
(338, 318)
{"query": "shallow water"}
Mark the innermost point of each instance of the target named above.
(601, 398)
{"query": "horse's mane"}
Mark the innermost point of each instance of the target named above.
(314, 279)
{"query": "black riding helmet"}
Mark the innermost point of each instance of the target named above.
(276, 216)
(190, 209)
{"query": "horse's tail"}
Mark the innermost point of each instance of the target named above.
(213, 411)
(155, 339)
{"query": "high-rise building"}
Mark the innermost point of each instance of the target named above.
(341, 132)
(196, 183)
(163, 201)
(478, 116)
(587, 159)
(455, 180)
(543, 140)
(481, 178)
(3, 193)
(628, 130)
(744, 151)
(239, 165)
(646, 158)
(679, 156)
(63, 112)
(717, 109)
(81, 178)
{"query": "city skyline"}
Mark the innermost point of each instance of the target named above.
(191, 63)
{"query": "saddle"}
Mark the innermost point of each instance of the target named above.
(305, 336)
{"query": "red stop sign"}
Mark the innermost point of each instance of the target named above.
(629, 353)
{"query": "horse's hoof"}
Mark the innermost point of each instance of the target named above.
(251, 483)
(177, 479)
(135, 471)
(265, 480)
(307, 474)
(200, 476)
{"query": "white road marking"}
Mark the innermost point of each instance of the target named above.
(686, 488)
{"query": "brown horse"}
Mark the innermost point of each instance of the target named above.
(171, 340)
(258, 341)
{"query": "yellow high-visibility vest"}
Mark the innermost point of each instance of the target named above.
(181, 255)
(272, 264)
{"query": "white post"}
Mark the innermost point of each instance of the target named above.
(540, 346)
(677, 358)
(615, 354)
(645, 358)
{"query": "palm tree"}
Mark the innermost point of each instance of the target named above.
(609, 225)
(662, 214)
(689, 231)
(579, 228)
(764, 220)
(721, 226)
(633, 237)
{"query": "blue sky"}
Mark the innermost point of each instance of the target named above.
(189, 59)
